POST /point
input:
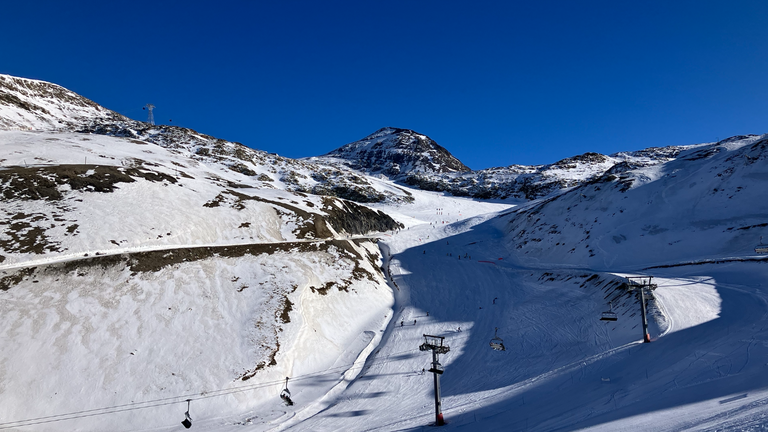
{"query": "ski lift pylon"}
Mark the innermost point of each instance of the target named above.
(610, 315)
(285, 395)
(497, 343)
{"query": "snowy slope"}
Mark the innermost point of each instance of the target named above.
(264, 170)
(38, 105)
(76, 198)
(131, 271)
(708, 203)
(563, 368)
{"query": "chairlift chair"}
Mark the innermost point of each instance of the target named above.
(285, 395)
(436, 368)
(497, 343)
(761, 248)
(187, 422)
(610, 315)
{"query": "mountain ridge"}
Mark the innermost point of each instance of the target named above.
(398, 154)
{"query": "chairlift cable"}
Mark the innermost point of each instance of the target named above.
(172, 400)
(206, 394)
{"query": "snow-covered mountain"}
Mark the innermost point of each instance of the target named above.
(261, 169)
(148, 269)
(398, 153)
(522, 182)
(707, 203)
(38, 105)
(401, 155)
(416, 160)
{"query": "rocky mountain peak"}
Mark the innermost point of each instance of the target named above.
(398, 152)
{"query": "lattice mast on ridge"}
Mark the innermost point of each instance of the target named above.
(150, 116)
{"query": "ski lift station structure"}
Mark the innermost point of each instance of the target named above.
(497, 343)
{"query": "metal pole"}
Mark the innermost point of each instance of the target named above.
(438, 408)
(646, 336)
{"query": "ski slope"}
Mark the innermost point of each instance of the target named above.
(90, 347)
(563, 368)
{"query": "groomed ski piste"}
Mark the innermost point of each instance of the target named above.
(354, 362)
(563, 369)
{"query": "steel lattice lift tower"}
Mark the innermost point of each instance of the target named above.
(150, 117)
(435, 344)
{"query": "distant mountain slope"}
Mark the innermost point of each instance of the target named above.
(69, 193)
(350, 172)
(524, 182)
(39, 105)
(708, 203)
(402, 155)
(416, 160)
(262, 169)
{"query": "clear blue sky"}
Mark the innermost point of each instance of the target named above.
(496, 83)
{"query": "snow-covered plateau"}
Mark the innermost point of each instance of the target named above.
(147, 270)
